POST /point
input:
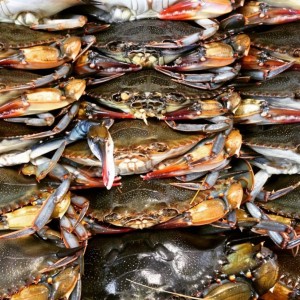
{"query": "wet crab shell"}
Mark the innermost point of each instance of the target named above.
(277, 143)
(282, 90)
(174, 261)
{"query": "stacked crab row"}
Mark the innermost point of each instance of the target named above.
(175, 128)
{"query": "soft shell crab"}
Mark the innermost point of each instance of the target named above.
(168, 264)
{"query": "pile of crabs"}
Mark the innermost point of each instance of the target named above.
(150, 149)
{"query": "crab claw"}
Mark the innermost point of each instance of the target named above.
(102, 146)
(42, 100)
(205, 156)
(252, 111)
(196, 9)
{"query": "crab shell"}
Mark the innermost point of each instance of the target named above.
(141, 204)
(147, 42)
(173, 261)
(152, 94)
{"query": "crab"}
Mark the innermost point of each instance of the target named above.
(151, 94)
(34, 268)
(274, 101)
(200, 11)
(23, 48)
(36, 13)
(269, 12)
(147, 42)
(168, 264)
(165, 203)
(28, 206)
(140, 148)
(273, 51)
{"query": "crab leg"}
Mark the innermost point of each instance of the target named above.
(61, 126)
(252, 111)
(93, 111)
(74, 21)
(212, 79)
(200, 109)
(102, 146)
(220, 124)
(282, 235)
(260, 66)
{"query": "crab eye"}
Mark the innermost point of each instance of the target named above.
(2, 46)
(177, 97)
(123, 96)
(296, 53)
(116, 46)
